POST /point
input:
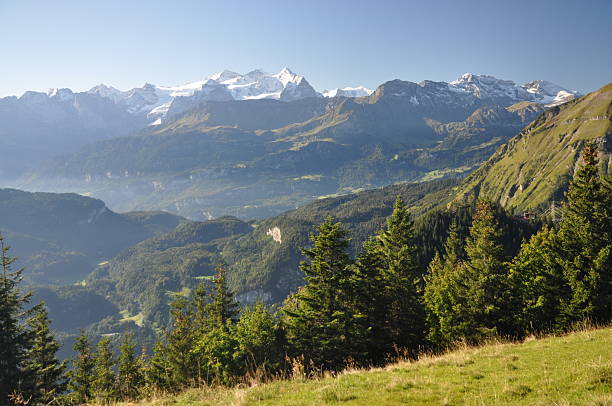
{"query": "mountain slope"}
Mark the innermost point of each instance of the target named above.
(38, 126)
(534, 167)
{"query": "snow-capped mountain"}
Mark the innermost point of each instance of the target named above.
(157, 101)
(358, 91)
(504, 91)
(549, 93)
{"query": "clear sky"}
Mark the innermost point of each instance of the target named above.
(333, 43)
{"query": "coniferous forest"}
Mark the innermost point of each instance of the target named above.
(401, 295)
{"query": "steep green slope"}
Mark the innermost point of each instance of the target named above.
(575, 369)
(534, 167)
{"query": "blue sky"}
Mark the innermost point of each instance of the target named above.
(79, 44)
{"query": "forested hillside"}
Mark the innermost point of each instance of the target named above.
(59, 238)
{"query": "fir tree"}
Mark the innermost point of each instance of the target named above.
(15, 338)
(103, 373)
(129, 370)
(223, 307)
(157, 373)
(319, 323)
(370, 304)
(182, 364)
(258, 343)
(81, 376)
(585, 236)
(486, 277)
(442, 298)
(472, 298)
(405, 319)
(48, 372)
(539, 283)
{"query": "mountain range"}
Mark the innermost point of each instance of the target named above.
(39, 126)
(255, 145)
(161, 103)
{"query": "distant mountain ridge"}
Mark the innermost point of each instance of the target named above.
(58, 238)
(273, 131)
(256, 158)
(157, 103)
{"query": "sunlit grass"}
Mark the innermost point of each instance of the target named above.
(568, 370)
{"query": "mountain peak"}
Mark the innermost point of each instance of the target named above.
(358, 91)
(224, 75)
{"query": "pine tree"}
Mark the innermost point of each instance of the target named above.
(405, 320)
(15, 338)
(178, 354)
(441, 297)
(48, 372)
(103, 373)
(472, 298)
(539, 283)
(129, 370)
(258, 343)
(81, 377)
(585, 236)
(370, 305)
(319, 324)
(157, 372)
(486, 277)
(224, 307)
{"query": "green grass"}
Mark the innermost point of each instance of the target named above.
(535, 166)
(569, 370)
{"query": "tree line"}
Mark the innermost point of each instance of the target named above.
(360, 311)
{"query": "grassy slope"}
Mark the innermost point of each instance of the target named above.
(536, 165)
(570, 370)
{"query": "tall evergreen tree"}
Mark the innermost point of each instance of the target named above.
(129, 370)
(177, 350)
(442, 298)
(405, 319)
(104, 375)
(157, 372)
(215, 320)
(472, 298)
(537, 278)
(369, 305)
(319, 324)
(15, 338)
(586, 241)
(47, 371)
(259, 346)
(81, 376)
(223, 307)
(486, 277)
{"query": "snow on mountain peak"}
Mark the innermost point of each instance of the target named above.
(358, 91)
(165, 101)
(489, 87)
(549, 93)
(224, 75)
(287, 76)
